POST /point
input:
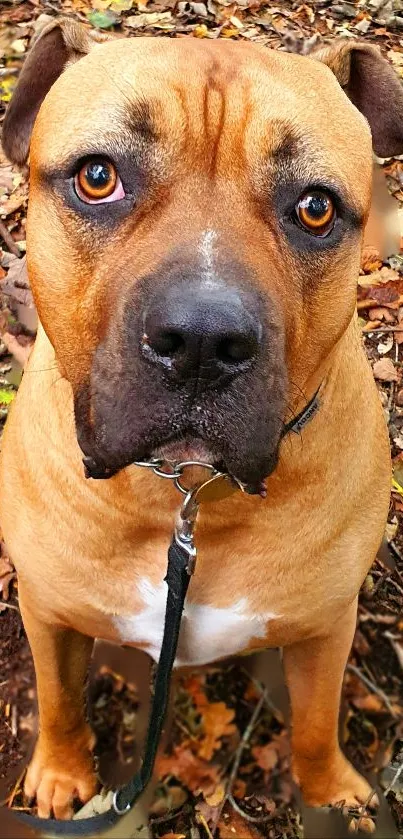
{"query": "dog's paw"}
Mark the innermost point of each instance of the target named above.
(335, 784)
(59, 773)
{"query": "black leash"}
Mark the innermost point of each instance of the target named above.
(177, 578)
(181, 564)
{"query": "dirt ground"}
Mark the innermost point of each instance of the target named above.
(224, 770)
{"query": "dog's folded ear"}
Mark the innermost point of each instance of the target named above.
(60, 43)
(373, 87)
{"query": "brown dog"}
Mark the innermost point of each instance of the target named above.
(195, 223)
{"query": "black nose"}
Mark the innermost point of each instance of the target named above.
(205, 331)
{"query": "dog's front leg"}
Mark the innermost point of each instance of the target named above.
(62, 765)
(314, 673)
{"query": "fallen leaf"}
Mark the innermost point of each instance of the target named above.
(386, 296)
(235, 827)
(217, 723)
(194, 686)
(21, 352)
(6, 396)
(200, 31)
(381, 313)
(173, 836)
(386, 345)
(102, 20)
(216, 797)
(370, 259)
(385, 371)
(147, 19)
(196, 774)
(397, 645)
(371, 703)
(384, 275)
(266, 756)
(120, 6)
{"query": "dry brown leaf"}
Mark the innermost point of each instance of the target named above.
(235, 827)
(198, 775)
(5, 582)
(385, 275)
(381, 313)
(5, 566)
(173, 836)
(385, 371)
(397, 645)
(217, 723)
(194, 686)
(216, 797)
(20, 352)
(386, 296)
(266, 756)
(371, 703)
(370, 259)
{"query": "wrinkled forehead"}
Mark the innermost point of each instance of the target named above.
(277, 107)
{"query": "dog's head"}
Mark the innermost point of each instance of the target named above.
(195, 221)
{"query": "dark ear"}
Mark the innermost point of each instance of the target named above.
(373, 87)
(59, 43)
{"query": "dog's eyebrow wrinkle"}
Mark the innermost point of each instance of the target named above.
(115, 145)
(288, 145)
(139, 120)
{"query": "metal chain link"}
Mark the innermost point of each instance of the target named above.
(174, 471)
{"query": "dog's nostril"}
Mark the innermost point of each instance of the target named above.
(167, 343)
(236, 350)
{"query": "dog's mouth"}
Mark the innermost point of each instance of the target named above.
(187, 448)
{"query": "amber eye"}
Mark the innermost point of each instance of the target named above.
(96, 180)
(316, 212)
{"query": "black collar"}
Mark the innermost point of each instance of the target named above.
(301, 420)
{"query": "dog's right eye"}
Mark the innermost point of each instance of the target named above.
(97, 182)
(315, 212)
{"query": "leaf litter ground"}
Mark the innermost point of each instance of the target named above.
(224, 769)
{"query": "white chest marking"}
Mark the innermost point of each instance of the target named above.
(207, 632)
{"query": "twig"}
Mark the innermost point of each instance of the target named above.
(249, 818)
(4, 605)
(374, 688)
(235, 766)
(394, 779)
(14, 721)
(399, 555)
(8, 239)
(380, 329)
(16, 789)
(201, 820)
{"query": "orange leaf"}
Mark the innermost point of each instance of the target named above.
(173, 836)
(217, 723)
(370, 259)
(216, 797)
(266, 756)
(194, 685)
(196, 774)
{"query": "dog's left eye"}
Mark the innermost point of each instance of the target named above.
(97, 182)
(315, 212)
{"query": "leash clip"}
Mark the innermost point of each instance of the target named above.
(184, 529)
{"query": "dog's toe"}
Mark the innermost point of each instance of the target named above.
(335, 783)
(57, 776)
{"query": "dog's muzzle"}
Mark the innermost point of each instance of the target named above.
(193, 358)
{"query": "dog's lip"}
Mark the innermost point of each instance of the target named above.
(180, 451)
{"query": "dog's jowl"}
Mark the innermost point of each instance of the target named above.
(195, 223)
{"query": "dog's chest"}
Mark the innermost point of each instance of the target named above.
(208, 632)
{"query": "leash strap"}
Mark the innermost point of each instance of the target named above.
(177, 579)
